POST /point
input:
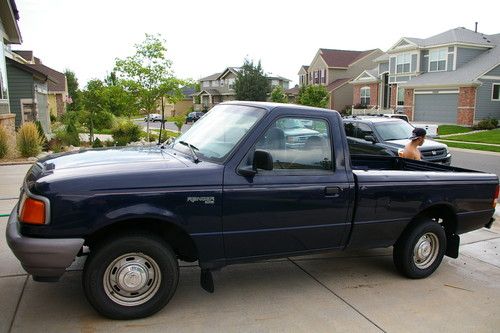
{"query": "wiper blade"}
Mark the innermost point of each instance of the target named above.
(192, 149)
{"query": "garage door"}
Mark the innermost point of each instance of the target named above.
(436, 107)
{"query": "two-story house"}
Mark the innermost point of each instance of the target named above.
(452, 77)
(9, 34)
(219, 87)
(334, 69)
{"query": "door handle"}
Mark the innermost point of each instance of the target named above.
(333, 191)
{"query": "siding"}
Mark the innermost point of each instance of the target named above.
(485, 107)
(450, 62)
(343, 97)
(20, 86)
(494, 72)
(414, 62)
(392, 65)
(464, 55)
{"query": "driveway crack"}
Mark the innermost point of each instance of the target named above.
(17, 305)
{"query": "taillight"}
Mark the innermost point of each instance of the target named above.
(495, 197)
(32, 211)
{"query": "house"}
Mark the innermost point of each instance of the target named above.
(219, 87)
(452, 77)
(334, 69)
(28, 93)
(180, 108)
(9, 34)
(57, 87)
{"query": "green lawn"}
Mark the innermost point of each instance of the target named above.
(453, 129)
(471, 146)
(492, 136)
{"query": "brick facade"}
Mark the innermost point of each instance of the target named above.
(408, 105)
(466, 105)
(394, 96)
(374, 93)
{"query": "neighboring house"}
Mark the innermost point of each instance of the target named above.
(219, 87)
(9, 34)
(57, 85)
(334, 69)
(28, 94)
(182, 107)
(452, 77)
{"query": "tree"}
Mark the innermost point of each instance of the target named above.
(95, 114)
(149, 75)
(278, 95)
(73, 90)
(120, 101)
(313, 95)
(251, 83)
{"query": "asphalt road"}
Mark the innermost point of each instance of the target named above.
(168, 125)
(476, 160)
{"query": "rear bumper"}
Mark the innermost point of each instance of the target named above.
(44, 258)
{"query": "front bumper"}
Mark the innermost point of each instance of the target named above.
(44, 258)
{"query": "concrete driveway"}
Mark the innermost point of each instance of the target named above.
(339, 292)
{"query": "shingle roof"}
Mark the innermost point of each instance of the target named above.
(277, 77)
(188, 91)
(383, 58)
(467, 73)
(457, 35)
(210, 77)
(337, 84)
(342, 58)
(57, 80)
(293, 91)
(26, 55)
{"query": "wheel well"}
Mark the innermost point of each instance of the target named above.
(180, 241)
(443, 214)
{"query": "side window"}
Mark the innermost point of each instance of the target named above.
(298, 144)
(363, 130)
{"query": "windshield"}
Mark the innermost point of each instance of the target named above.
(215, 135)
(394, 130)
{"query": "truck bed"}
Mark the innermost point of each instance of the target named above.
(374, 162)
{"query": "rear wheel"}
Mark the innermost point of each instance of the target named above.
(130, 277)
(420, 250)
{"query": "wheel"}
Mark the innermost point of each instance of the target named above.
(133, 276)
(420, 250)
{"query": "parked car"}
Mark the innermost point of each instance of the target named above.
(432, 129)
(227, 192)
(153, 117)
(393, 134)
(193, 116)
(295, 131)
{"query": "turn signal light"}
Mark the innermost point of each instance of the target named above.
(33, 212)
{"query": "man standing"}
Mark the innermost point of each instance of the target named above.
(416, 140)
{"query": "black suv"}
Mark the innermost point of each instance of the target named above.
(193, 116)
(382, 136)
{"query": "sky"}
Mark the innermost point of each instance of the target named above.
(205, 37)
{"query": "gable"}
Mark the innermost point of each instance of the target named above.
(402, 44)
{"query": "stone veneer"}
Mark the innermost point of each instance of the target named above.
(466, 105)
(394, 96)
(8, 121)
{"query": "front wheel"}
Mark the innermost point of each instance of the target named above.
(133, 276)
(420, 250)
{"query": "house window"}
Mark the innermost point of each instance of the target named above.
(495, 92)
(206, 84)
(324, 75)
(437, 60)
(274, 83)
(230, 84)
(222, 82)
(401, 96)
(365, 96)
(215, 83)
(403, 63)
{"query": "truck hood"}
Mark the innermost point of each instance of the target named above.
(428, 144)
(110, 156)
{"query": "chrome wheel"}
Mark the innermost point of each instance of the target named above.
(132, 279)
(426, 250)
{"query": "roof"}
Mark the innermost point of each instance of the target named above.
(374, 119)
(342, 58)
(337, 84)
(9, 15)
(211, 77)
(383, 58)
(27, 68)
(269, 106)
(362, 80)
(57, 80)
(210, 92)
(459, 35)
(466, 74)
(293, 91)
(26, 55)
(188, 91)
(271, 77)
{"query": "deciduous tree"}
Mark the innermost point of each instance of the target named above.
(278, 95)
(313, 95)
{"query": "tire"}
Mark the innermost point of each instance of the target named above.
(420, 250)
(133, 276)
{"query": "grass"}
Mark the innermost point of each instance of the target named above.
(492, 136)
(471, 146)
(453, 129)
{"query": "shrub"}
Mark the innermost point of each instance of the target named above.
(55, 145)
(97, 143)
(53, 118)
(486, 124)
(179, 121)
(29, 142)
(41, 133)
(4, 142)
(125, 132)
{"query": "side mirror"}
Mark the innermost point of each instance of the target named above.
(261, 160)
(370, 138)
